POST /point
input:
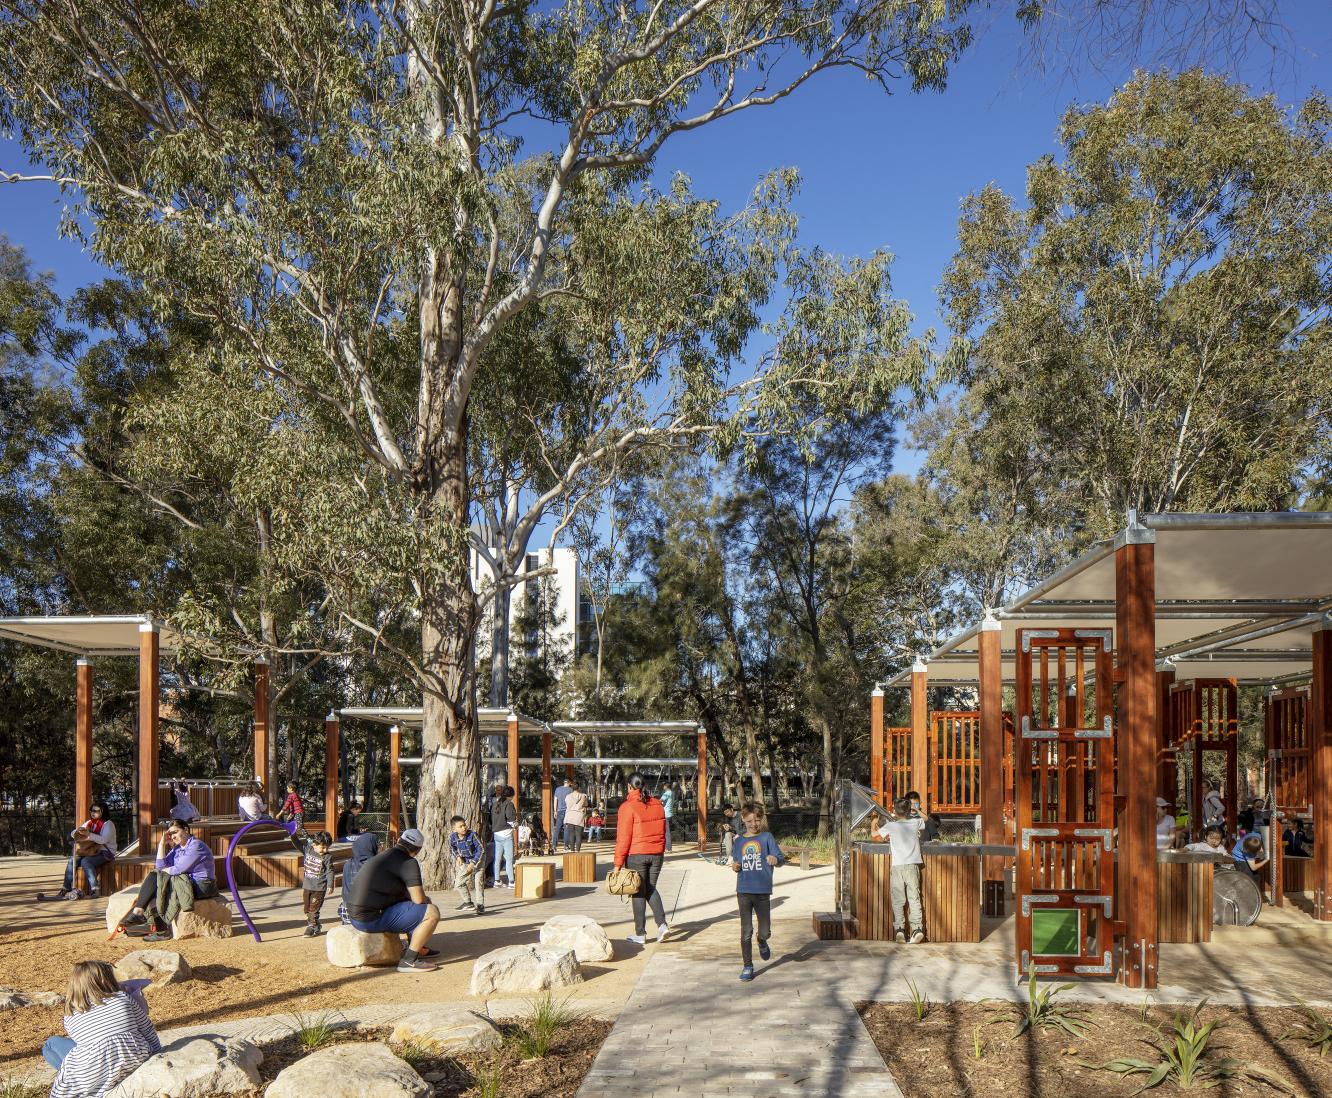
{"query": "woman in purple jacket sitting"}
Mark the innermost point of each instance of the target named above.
(179, 855)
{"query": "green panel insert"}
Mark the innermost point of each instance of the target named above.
(1056, 932)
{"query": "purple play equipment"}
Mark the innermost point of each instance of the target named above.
(289, 826)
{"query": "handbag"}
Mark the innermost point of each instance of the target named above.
(623, 882)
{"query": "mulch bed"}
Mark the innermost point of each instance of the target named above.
(558, 1074)
(935, 1057)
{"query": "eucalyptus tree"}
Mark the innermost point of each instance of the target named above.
(1150, 329)
(326, 183)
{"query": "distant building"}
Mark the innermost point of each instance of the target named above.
(562, 587)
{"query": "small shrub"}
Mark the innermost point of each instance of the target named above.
(1044, 1011)
(1313, 1029)
(1182, 1056)
(977, 1049)
(490, 1080)
(314, 1031)
(415, 1051)
(920, 1002)
(538, 1029)
(11, 1087)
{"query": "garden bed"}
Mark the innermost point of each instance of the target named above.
(936, 1057)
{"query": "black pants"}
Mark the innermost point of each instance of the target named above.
(647, 866)
(311, 901)
(752, 904)
(203, 890)
(573, 837)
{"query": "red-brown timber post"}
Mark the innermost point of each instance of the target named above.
(1320, 741)
(1135, 620)
(920, 732)
(263, 751)
(546, 790)
(511, 750)
(703, 789)
(83, 747)
(395, 784)
(876, 774)
(332, 752)
(149, 651)
(992, 760)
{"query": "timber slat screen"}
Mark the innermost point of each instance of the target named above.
(949, 894)
(1065, 785)
(1202, 721)
(955, 762)
(897, 760)
(1184, 901)
(1286, 716)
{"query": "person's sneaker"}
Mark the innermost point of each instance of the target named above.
(917, 937)
(310, 931)
(159, 934)
(427, 952)
(134, 919)
(73, 894)
(900, 938)
(418, 965)
(764, 951)
(480, 909)
(747, 973)
(466, 905)
(662, 931)
(637, 939)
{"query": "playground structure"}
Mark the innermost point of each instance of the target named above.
(1123, 670)
(509, 727)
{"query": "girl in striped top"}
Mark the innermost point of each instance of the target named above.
(109, 1033)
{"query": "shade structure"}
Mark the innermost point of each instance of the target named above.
(90, 635)
(1237, 596)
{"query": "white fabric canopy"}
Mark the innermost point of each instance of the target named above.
(99, 635)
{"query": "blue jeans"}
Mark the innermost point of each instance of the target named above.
(668, 832)
(56, 1049)
(503, 855)
(400, 918)
(90, 864)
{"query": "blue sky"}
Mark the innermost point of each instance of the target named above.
(879, 171)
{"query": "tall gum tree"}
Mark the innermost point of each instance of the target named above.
(338, 187)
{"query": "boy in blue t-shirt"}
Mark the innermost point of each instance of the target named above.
(755, 855)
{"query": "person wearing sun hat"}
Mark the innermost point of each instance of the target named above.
(387, 897)
(1166, 827)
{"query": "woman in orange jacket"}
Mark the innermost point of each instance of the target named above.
(640, 844)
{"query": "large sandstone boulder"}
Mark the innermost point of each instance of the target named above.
(209, 919)
(195, 1067)
(11, 998)
(447, 1030)
(350, 1071)
(161, 966)
(351, 948)
(524, 968)
(580, 933)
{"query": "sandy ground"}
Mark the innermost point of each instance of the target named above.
(285, 973)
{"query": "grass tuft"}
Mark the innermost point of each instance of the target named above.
(1314, 1029)
(313, 1031)
(1043, 1010)
(537, 1030)
(416, 1052)
(13, 1087)
(920, 1002)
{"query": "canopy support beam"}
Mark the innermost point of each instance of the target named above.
(263, 744)
(920, 733)
(395, 784)
(1320, 739)
(149, 651)
(992, 761)
(702, 777)
(83, 739)
(332, 752)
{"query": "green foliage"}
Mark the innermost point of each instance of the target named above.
(1150, 329)
(920, 1002)
(1185, 1057)
(1313, 1029)
(539, 1027)
(1043, 1010)
(977, 1048)
(313, 1031)
(490, 1079)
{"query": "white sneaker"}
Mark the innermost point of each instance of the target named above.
(637, 939)
(917, 937)
(662, 931)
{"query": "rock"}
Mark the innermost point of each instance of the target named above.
(209, 919)
(11, 998)
(524, 968)
(447, 1030)
(581, 933)
(350, 1071)
(118, 905)
(161, 966)
(351, 948)
(195, 1067)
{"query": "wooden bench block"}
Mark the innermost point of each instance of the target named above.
(580, 868)
(831, 927)
(536, 881)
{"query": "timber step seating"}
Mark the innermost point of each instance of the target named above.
(265, 858)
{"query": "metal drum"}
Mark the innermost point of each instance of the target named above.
(1236, 900)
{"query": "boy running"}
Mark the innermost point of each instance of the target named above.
(468, 856)
(755, 855)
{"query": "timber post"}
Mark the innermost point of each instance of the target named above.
(920, 732)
